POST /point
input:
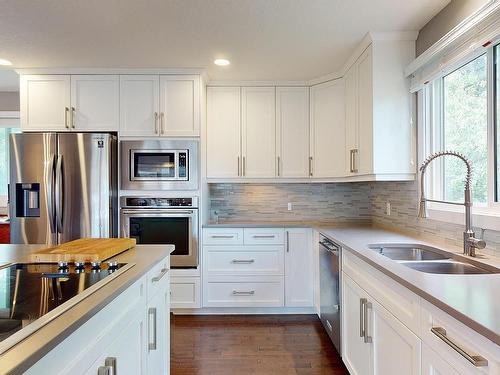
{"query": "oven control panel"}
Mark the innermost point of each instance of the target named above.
(158, 202)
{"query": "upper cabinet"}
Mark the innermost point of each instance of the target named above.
(45, 102)
(69, 103)
(292, 132)
(378, 112)
(224, 132)
(327, 139)
(160, 105)
(258, 125)
(135, 105)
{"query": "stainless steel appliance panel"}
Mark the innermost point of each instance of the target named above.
(85, 198)
(330, 301)
(32, 163)
(180, 171)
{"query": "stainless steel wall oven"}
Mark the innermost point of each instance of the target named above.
(158, 221)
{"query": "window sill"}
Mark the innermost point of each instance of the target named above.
(482, 217)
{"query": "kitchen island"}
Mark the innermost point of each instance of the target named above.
(124, 323)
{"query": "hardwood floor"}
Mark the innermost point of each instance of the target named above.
(256, 344)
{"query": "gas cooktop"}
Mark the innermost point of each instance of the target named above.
(32, 294)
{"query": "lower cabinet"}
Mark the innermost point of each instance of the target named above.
(185, 292)
(129, 336)
(299, 268)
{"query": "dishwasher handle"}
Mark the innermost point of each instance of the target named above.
(332, 248)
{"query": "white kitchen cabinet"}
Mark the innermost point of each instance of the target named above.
(327, 131)
(95, 103)
(223, 132)
(186, 292)
(433, 364)
(258, 123)
(374, 340)
(356, 354)
(139, 105)
(299, 268)
(179, 105)
(292, 131)
(378, 112)
(45, 102)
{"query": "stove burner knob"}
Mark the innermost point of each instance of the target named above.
(95, 265)
(63, 265)
(79, 265)
(112, 264)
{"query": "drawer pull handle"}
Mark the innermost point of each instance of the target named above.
(243, 292)
(476, 360)
(243, 261)
(162, 273)
(152, 328)
(222, 236)
(263, 236)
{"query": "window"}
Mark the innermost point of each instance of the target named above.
(4, 163)
(461, 115)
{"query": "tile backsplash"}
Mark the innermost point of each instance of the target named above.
(312, 202)
(328, 202)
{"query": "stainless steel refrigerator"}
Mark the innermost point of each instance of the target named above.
(63, 186)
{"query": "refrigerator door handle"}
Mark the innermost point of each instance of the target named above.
(49, 182)
(59, 194)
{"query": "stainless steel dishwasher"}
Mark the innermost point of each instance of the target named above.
(329, 271)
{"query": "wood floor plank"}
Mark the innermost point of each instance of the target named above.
(252, 345)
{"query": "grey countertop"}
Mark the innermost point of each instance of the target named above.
(282, 224)
(471, 299)
(23, 355)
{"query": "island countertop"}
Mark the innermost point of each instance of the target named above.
(27, 352)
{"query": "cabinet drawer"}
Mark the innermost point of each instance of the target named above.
(244, 292)
(223, 236)
(447, 336)
(244, 260)
(264, 236)
(157, 277)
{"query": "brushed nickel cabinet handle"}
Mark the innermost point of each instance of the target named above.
(351, 167)
(152, 328)
(475, 359)
(279, 162)
(244, 166)
(105, 370)
(238, 166)
(111, 362)
(243, 261)
(222, 236)
(156, 122)
(162, 273)
(362, 302)
(310, 166)
(354, 167)
(287, 241)
(73, 115)
(243, 292)
(66, 116)
(367, 339)
(263, 236)
(162, 122)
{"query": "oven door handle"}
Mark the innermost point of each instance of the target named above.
(151, 212)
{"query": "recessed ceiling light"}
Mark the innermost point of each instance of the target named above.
(5, 62)
(222, 62)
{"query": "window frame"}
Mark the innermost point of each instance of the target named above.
(431, 128)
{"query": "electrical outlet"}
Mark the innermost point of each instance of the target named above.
(388, 208)
(289, 206)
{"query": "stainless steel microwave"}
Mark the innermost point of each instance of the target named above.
(159, 165)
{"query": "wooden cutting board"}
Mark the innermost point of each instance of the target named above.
(84, 250)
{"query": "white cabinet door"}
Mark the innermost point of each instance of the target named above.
(364, 68)
(158, 331)
(95, 102)
(328, 129)
(223, 132)
(356, 354)
(396, 350)
(433, 364)
(258, 130)
(139, 105)
(292, 125)
(45, 102)
(299, 268)
(351, 123)
(180, 105)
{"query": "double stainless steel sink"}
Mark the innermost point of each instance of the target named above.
(431, 260)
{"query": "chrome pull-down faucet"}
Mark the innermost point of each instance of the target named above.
(471, 243)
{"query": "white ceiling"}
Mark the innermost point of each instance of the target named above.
(264, 39)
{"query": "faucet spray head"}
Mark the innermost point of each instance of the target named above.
(422, 209)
